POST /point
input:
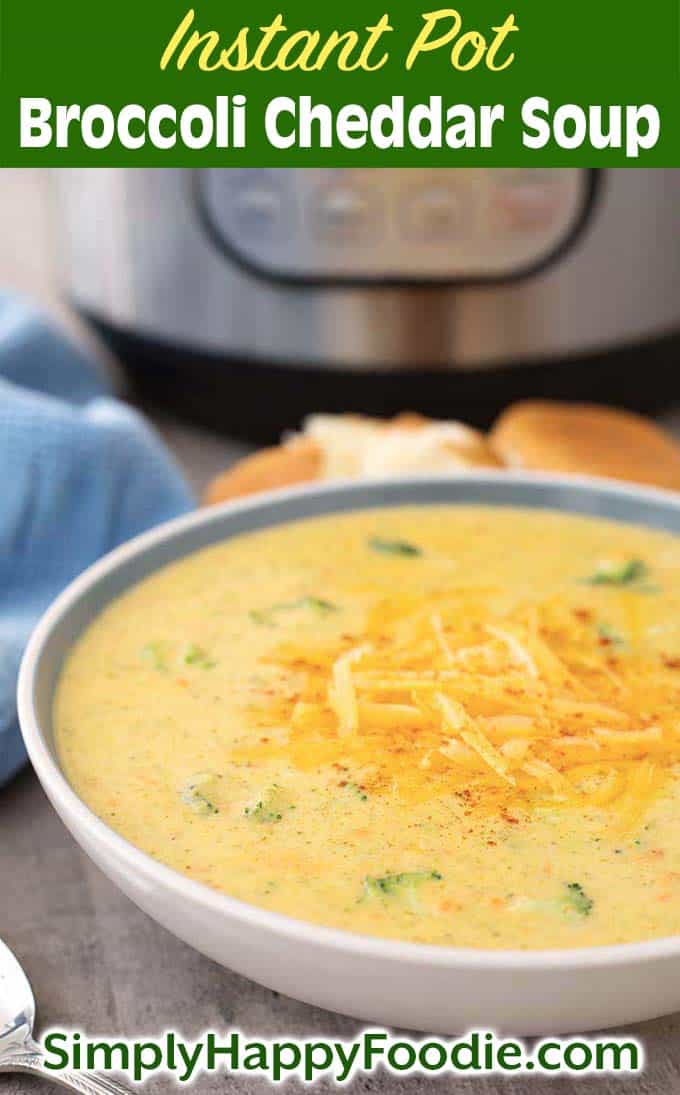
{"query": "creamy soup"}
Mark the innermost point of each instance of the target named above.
(451, 725)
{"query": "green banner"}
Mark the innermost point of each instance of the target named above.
(388, 83)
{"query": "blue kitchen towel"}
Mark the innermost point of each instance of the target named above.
(81, 473)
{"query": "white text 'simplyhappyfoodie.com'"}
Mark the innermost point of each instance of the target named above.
(234, 1053)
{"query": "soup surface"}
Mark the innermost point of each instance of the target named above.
(452, 725)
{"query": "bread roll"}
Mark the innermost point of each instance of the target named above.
(586, 439)
(355, 447)
(282, 466)
(333, 447)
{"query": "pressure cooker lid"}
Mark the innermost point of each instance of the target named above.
(391, 226)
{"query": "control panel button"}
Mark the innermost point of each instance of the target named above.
(529, 206)
(434, 214)
(248, 206)
(344, 213)
(258, 208)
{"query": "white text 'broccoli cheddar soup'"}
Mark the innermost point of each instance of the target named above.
(442, 724)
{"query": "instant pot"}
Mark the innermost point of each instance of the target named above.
(248, 298)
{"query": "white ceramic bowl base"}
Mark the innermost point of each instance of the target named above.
(434, 989)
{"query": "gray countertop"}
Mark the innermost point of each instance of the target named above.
(97, 962)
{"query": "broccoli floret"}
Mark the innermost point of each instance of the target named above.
(394, 547)
(162, 656)
(357, 790)
(576, 899)
(261, 812)
(267, 617)
(317, 604)
(262, 619)
(196, 655)
(403, 885)
(194, 794)
(271, 807)
(573, 899)
(156, 655)
(612, 573)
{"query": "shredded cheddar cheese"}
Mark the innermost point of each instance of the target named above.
(510, 707)
(517, 649)
(342, 693)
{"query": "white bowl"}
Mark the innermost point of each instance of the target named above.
(430, 988)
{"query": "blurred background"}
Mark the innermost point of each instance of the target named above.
(238, 301)
(32, 263)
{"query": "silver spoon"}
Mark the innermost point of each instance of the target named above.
(19, 1051)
